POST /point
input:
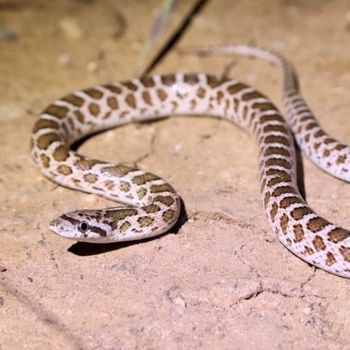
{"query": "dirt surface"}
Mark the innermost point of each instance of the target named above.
(222, 281)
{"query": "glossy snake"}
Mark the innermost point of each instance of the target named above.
(151, 205)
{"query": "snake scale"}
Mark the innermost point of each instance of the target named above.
(151, 205)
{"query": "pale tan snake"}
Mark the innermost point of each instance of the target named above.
(151, 205)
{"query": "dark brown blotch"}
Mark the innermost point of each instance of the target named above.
(167, 200)
(318, 244)
(338, 234)
(340, 147)
(283, 190)
(113, 88)
(90, 178)
(87, 164)
(264, 106)
(147, 98)
(94, 93)
(284, 223)
(341, 159)
(76, 182)
(253, 95)
(168, 79)
(278, 172)
(235, 88)
(94, 109)
(236, 103)
(45, 160)
(145, 221)
(245, 112)
(107, 115)
(274, 181)
(147, 81)
(213, 81)
(329, 140)
(201, 92)
(317, 224)
(275, 128)
(311, 125)
(109, 184)
(191, 79)
(61, 153)
(345, 252)
(319, 133)
(161, 188)
(71, 123)
(151, 208)
(306, 117)
(193, 104)
(130, 100)
(112, 102)
(124, 186)
(118, 170)
(141, 192)
(219, 96)
(80, 116)
(276, 150)
(308, 251)
(124, 227)
(299, 213)
(56, 111)
(44, 141)
(74, 100)
(299, 233)
(120, 214)
(144, 178)
(330, 260)
(162, 95)
(169, 215)
(278, 162)
(130, 85)
(267, 198)
(271, 117)
(64, 169)
(277, 139)
(326, 152)
(288, 201)
(44, 123)
(273, 211)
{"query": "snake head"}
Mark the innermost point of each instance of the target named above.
(82, 226)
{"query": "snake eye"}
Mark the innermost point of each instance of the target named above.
(83, 227)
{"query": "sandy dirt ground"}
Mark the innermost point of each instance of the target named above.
(221, 280)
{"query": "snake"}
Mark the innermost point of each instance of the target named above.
(149, 205)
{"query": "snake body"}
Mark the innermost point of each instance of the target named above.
(152, 206)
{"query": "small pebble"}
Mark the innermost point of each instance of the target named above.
(8, 35)
(251, 78)
(10, 112)
(306, 311)
(64, 59)
(70, 28)
(92, 67)
(177, 147)
(347, 21)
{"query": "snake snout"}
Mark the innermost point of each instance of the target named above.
(57, 226)
(62, 227)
